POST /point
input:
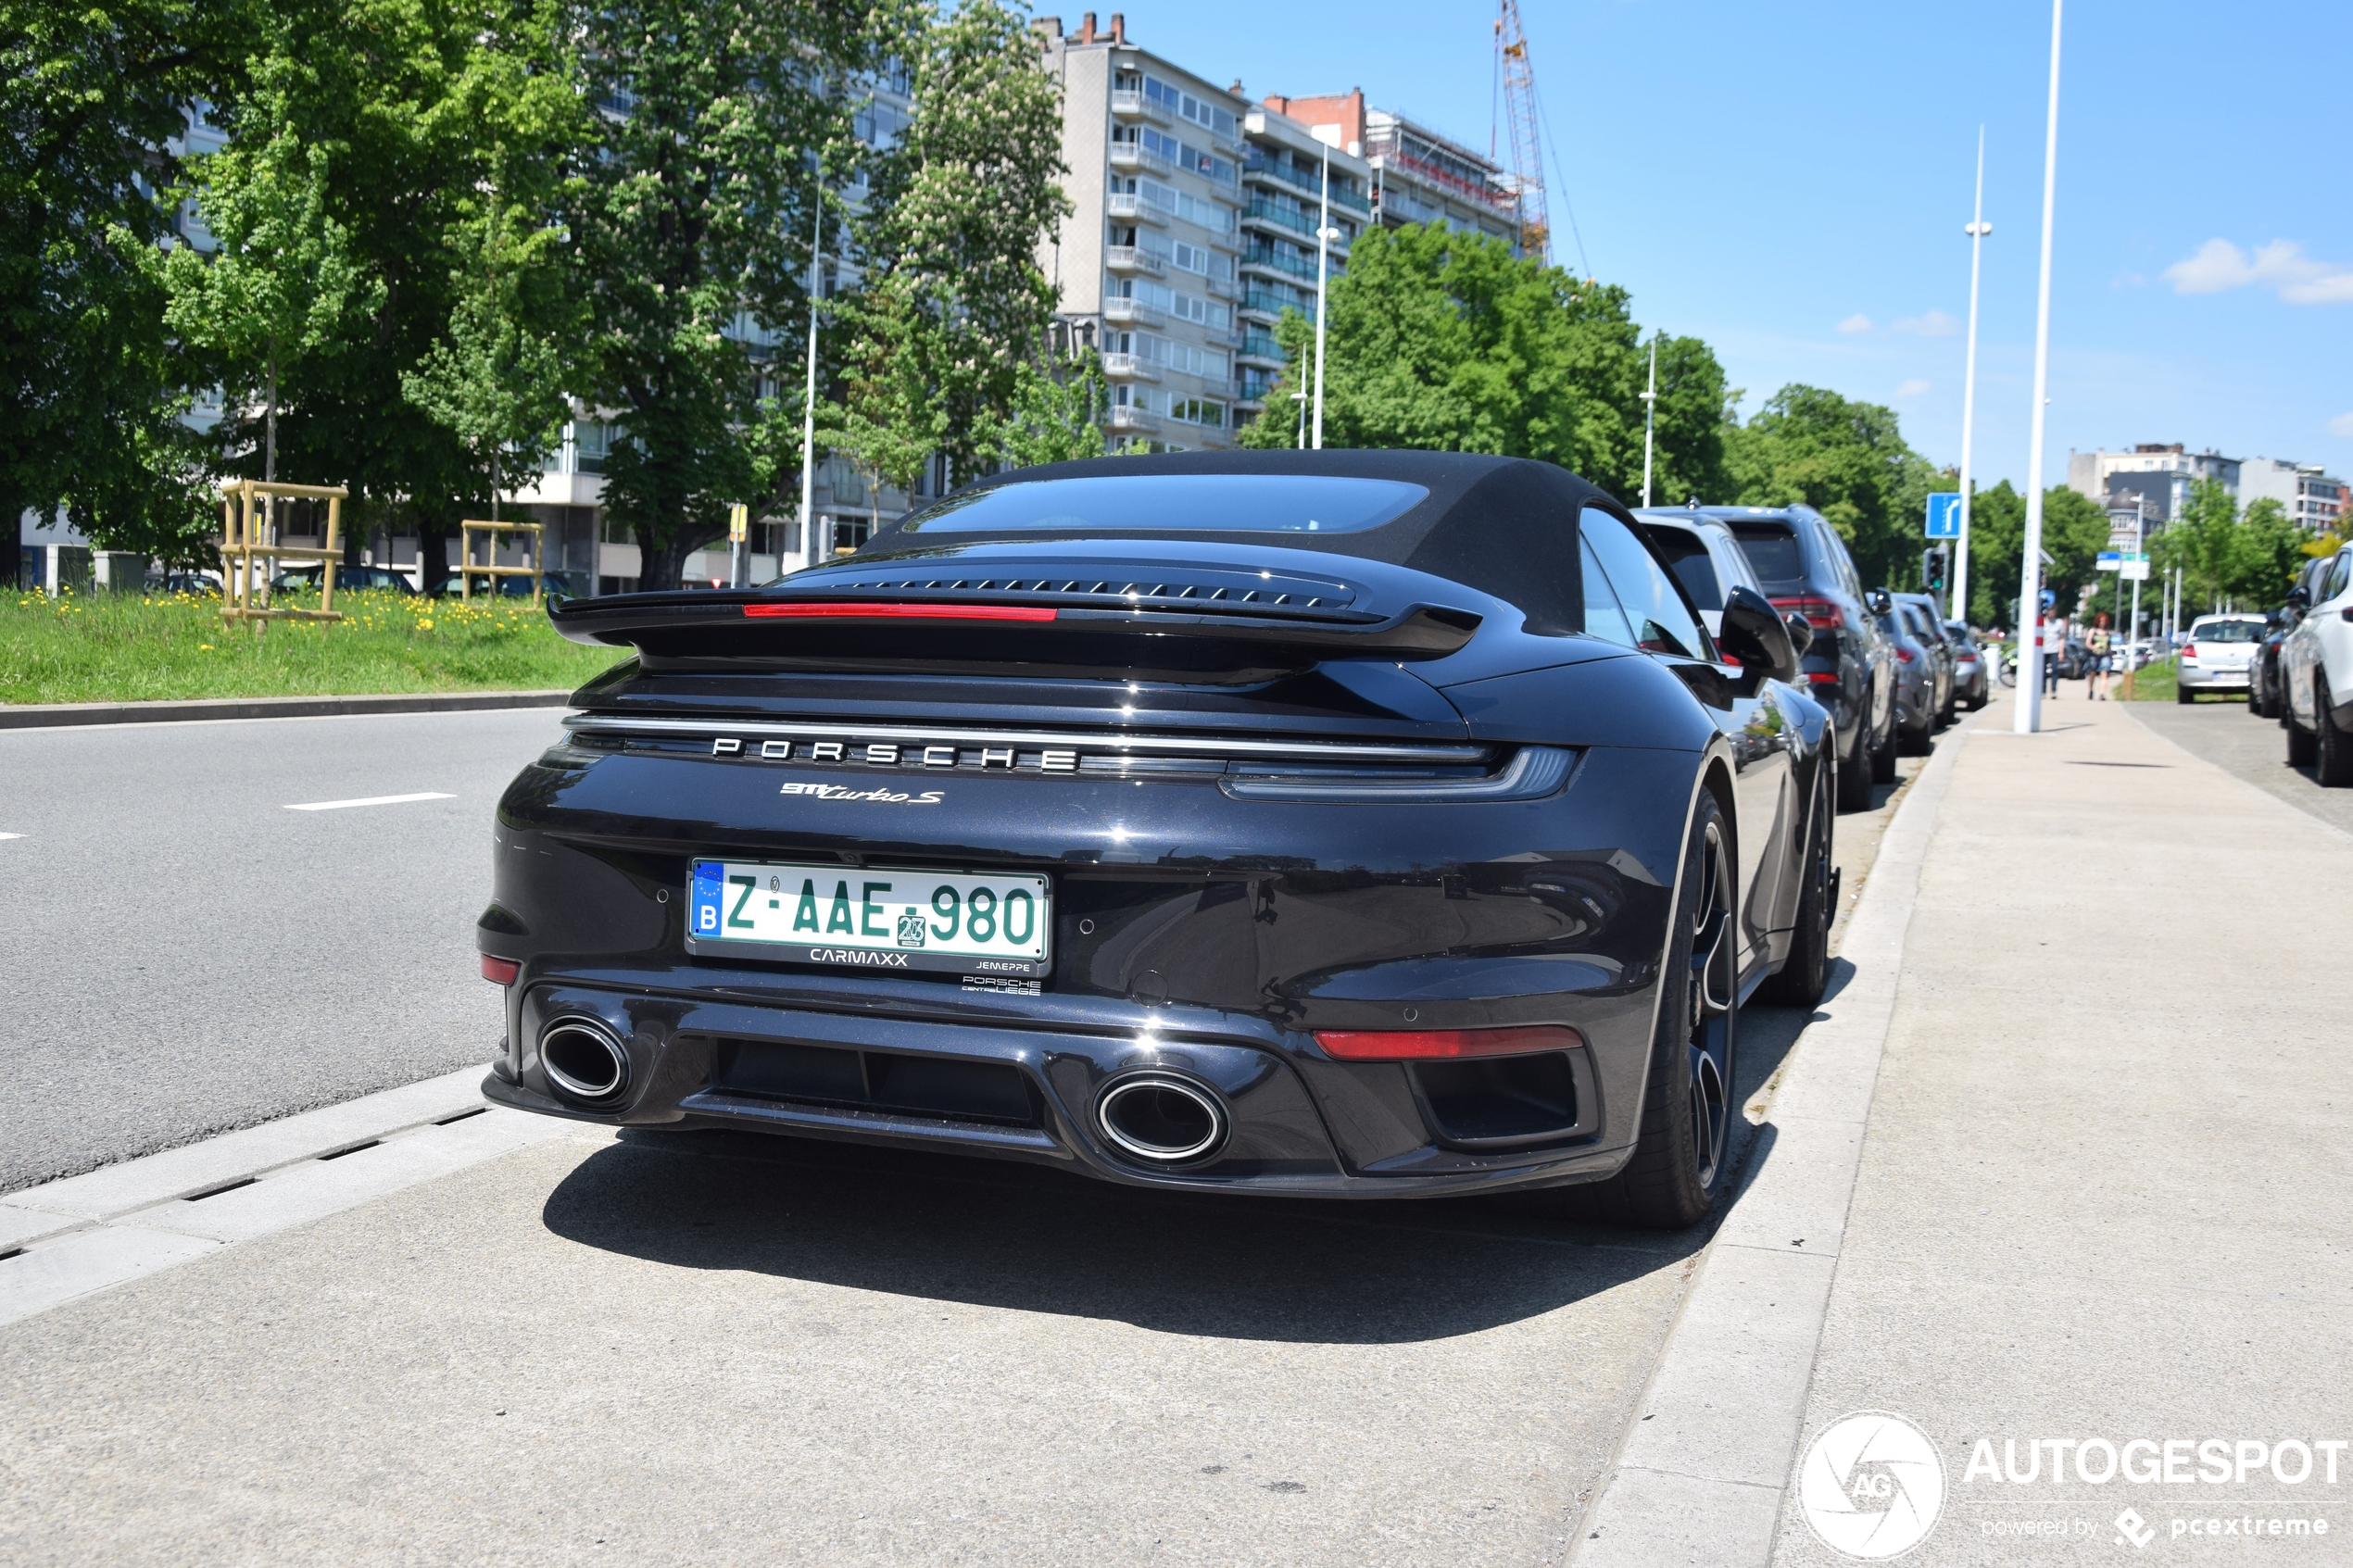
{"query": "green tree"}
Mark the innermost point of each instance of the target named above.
(716, 123)
(93, 95)
(1848, 460)
(890, 420)
(1447, 342)
(1694, 405)
(2074, 532)
(1056, 407)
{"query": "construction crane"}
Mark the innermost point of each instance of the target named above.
(1520, 110)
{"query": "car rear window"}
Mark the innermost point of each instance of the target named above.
(1185, 503)
(1774, 553)
(1686, 556)
(2227, 631)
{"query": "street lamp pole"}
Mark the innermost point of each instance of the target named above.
(1977, 230)
(1650, 418)
(2029, 595)
(1323, 273)
(809, 401)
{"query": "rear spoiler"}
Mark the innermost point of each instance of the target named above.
(815, 626)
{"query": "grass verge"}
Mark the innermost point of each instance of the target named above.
(120, 648)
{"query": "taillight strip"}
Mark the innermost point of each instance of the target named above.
(899, 612)
(1440, 1045)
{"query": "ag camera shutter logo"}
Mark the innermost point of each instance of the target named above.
(1871, 1485)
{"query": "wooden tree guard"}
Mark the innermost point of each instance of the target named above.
(249, 534)
(468, 570)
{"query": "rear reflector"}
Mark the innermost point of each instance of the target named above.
(1429, 1045)
(1822, 677)
(897, 612)
(500, 972)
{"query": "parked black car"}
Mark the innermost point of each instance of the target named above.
(1851, 668)
(1320, 824)
(1918, 688)
(1923, 617)
(381, 579)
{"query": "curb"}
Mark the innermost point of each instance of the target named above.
(1700, 1477)
(53, 715)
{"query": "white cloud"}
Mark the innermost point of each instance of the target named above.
(1859, 322)
(2342, 425)
(1933, 323)
(1912, 388)
(2218, 265)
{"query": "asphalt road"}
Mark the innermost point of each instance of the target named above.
(2222, 732)
(190, 955)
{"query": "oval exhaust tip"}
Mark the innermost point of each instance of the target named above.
(584, 1060)
(1161, 1118)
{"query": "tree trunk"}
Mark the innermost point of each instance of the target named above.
(433, 552)
(661, 564)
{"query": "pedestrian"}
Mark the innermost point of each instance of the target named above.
(2097, 643)
(2054, 645)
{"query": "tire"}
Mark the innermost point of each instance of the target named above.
(1805, 974)
(1854, 769)
(1883, 755)
(2333, 760)
(1682, 1162)
(2183, 696)
(1917, 743)
(2303, 746)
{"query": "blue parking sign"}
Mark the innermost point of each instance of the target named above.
(1944, 514)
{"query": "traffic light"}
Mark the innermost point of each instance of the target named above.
(1932, 568)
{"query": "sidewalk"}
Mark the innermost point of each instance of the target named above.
(2107, 1189)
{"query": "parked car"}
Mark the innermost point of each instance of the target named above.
(2316, 665)
(1972, 669)
(787, 875)
(2263, 695)
(1924, 618)
(1706, 560)
(2218, 656)
(376, 579)
(193, 583)
(1851, 668)
(1916, 681)
(453, 586)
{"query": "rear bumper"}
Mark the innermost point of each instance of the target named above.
(1298, 1124)
(2215, 678)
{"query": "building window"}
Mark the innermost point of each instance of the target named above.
(1197, 412)
(1183, 106)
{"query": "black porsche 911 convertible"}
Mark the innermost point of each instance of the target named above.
(1352, 825)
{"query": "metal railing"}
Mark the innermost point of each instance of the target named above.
(1133, 258)
(1296, 266)
(1305, 180)
(1119, 309)
(1263, 346)
(1124, 418)
(1134, 209)
(1129, 367)
(1135, 105)
(1133, 154)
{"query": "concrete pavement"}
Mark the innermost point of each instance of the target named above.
(2107, 1191)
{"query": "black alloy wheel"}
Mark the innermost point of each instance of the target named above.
(1683, 1157)
(1855, 768)
(2333, 760)
(1884, 754)
(1805, 974)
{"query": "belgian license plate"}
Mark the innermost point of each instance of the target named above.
(879, 918)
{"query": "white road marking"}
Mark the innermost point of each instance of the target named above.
(11, 836)
(371, 800)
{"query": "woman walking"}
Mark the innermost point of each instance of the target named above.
(2097, 643)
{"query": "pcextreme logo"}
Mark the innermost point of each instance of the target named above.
(1871, 1485)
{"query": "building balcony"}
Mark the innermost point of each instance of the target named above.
(1256, 165)
(1133, 259)
(1271, 306)
(1124, 418)
(1132, 155)
(1222, 288)
(1262, 346)
(1129, 367)
(1134, 208)
(1135, 105)
(1289, 266)
(1133, 312)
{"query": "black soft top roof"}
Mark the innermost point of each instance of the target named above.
(1505, 526)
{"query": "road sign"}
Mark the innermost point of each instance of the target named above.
(1944, 514)
(2137, 570)
(2107, 560)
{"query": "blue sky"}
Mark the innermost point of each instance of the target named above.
(1790, 182)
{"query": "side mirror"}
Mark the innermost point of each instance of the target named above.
(1755, 637)
(1879, 602)
(1801, 633)
(2299, 598)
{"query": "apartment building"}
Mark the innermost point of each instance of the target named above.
(1285, 165)
(1147, 265)
(2308, 493)
(2158, 475)
(1416, 175)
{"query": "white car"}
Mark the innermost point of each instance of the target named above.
(2219, 654)
(2316, 676)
